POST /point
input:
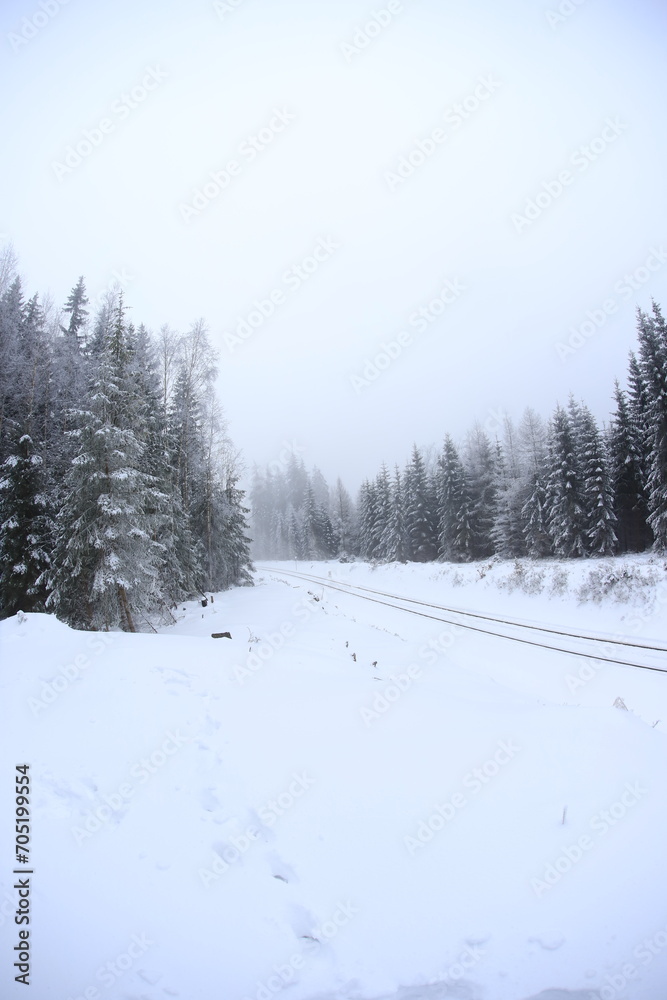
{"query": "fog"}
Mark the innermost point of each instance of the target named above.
(396, 219)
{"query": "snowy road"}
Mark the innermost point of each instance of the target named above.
(343, 801)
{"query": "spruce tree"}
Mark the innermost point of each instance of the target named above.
(652, 334)
(480, 473)
(11, 319)
(420, 511)
(394, 540)
(343, 522)
(535, 517)
(597, 491)
(382, 514)
(25, 531)
(564, 500)
(78, 315)
(506, 531)
(106, 565)
(628, 479)
(449, 487)
(367, 507)
(466, 542)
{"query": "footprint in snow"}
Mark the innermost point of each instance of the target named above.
(209, 800)
(549, 944)
(174, 679)
(281, 871)
(302, 922)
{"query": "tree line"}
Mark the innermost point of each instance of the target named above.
(119, 487)
(564, 487)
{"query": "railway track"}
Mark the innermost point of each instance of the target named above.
(526, 633)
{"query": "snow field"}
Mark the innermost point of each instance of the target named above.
(231, 819)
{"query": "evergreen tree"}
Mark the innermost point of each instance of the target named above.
(394, 540)
(316, 527)
(652, 334)
(382, 510)
(564, 500)
(597, 492)
(78, 314)
(420, 511)
(466, 541)
(297, 544)
(480, 474)
(343, 522)
(8, 267)
(11, 318)
(449, 487)
(535, 517)
(627, 476)
(106, 564)
(25, 531)
(367, 516)
(228, 559)
(263, 510)
(507, 530)
(640, 418)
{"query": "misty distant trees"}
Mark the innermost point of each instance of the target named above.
(296, 516)
(565, 487)
(118, 486)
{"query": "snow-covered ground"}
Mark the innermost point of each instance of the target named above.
(343, 800)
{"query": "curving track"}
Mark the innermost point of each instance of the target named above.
(469, 620)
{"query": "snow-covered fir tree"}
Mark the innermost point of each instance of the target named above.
(566, 517)
(343, 521)
(449, 491)
(597, 492)
(420, 510)
(481, 477)
(628, 479)
(26, 530)
(394, 540)
(652, 335)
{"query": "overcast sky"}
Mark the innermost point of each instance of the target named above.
(311, 114)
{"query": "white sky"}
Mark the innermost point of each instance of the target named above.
(119, 210)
